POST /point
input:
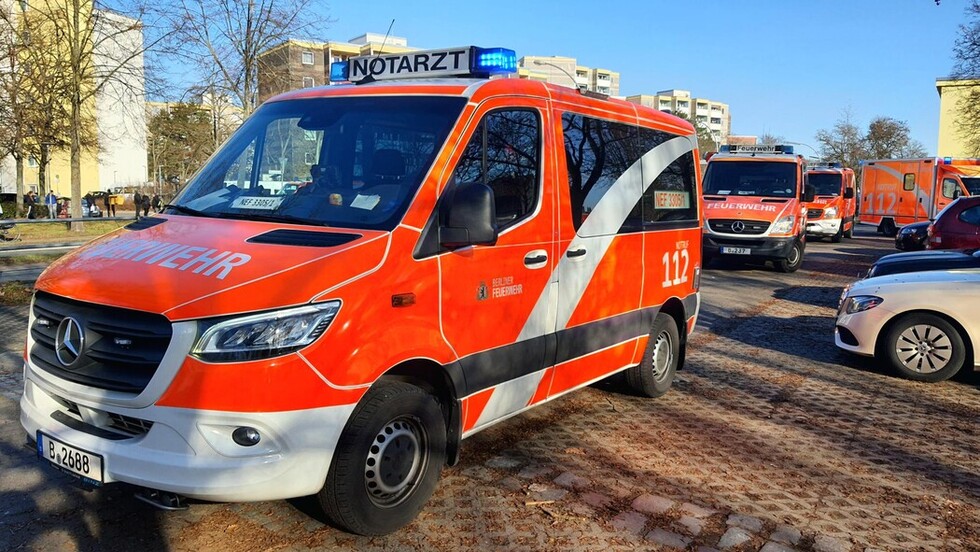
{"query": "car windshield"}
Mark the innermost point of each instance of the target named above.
(972, 185)
(751, 178)
(825, 184)
(345, 162)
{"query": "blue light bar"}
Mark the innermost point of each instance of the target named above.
(786, 149)
(339, 71)
(493, 61)
(725, 148)
(947, 160)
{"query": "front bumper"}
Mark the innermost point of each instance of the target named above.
(191, 452)
(764, 247)
(823, 227)
(858, 332)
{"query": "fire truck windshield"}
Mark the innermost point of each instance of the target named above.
(825, 184)
(351, 162)
(751, 178)
(972, 185)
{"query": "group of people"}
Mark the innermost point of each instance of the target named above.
(56, 208)
(144, 202)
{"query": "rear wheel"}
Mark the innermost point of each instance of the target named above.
(792, 262)
(923, 347)
(387, 462)
(655, 373)
(888, 228)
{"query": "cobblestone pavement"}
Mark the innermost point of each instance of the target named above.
(772, 440)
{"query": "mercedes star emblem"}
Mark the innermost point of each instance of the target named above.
(69, 341)
(738, 226)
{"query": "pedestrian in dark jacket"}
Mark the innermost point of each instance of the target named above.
(138, 203)
(146, 205)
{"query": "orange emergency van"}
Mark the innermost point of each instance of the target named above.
(754, 205)
(896, 192)
(831, 213)
(361, 277)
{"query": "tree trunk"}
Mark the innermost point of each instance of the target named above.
(19, 164)
(76, 118)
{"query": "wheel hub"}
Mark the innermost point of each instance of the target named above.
(394, 462)
(661, 356)
(924, 348)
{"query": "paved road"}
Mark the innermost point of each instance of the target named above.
(772, 440)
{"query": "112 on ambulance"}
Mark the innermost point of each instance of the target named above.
(433, 256)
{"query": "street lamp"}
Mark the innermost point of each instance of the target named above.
(816, 155)
(560, 68)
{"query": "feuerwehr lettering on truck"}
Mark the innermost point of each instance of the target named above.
(203, 260)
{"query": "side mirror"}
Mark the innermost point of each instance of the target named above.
(809, 192)
(957, 193)
(467, 216)
(848, 193)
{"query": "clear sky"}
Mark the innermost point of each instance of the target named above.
(785, 68)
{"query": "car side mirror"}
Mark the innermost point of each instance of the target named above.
(467, 216)
(848, 193)
(809, 192)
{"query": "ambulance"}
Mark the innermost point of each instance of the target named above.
(896, 192)
(455, 247)
(831, 213)
(755, 205)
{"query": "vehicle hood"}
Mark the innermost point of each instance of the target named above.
(937, 255)
(930, 279)
(190, 267)
(749, 207)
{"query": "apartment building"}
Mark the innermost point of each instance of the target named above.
(951, 91)
(712, 114)
(303, 64)
(565, 71)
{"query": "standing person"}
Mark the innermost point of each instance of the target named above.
(109, 205)
(157, 204)
(51, 201)
(146, 205)
(138, 202)
(30, 201)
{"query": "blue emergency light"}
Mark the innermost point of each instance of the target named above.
(947, 160)
(468, 61)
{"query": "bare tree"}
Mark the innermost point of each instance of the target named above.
(889, 138)
(768, 139)
(224, 38)
(966, 52)
(844, 142)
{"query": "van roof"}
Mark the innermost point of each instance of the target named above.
(477, 90)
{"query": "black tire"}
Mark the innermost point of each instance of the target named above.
(398, 428)
(655, 373)
(888, 228)
(836, 238)
(793, 262)
(923, 347)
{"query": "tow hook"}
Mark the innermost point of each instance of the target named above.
(162, 499)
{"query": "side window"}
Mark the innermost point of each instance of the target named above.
(505, 154)
(908, 183)
(671, 198)
(597, 153)
(971, 216)
(949, 188)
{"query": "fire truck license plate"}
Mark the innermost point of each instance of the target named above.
(71, 460)
(737, 250)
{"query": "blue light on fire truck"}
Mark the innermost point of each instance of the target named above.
(947, 160)
(339, 71)
(493, 61)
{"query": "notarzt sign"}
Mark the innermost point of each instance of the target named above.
(427, 63)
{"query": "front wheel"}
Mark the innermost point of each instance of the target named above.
(849, 233)
(655, 373)
(793, 261)
(924, 347)
(836, 238)
(387, 462)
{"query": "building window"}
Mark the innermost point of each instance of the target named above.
(31, 162)
(716, 120)
(308, 82)
(307, 58)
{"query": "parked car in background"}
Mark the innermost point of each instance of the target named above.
(957, 226)
(91, 209)
(923, 325)
(920, 261)
(912, 237)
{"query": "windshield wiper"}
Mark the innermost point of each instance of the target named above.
(271, 218)
(187, 210)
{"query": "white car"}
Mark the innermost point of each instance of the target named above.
(924, 325)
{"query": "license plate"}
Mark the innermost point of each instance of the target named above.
(736, 250)
(71, 460)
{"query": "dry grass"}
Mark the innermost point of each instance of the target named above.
(55, 232)
(33, 258)
(15, 293)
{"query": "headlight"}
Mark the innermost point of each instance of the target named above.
(830, 213)
(861, 303)
(784, 225)
(263, 335)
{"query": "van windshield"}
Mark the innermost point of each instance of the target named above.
(825, 184)
(751, 178)
(344, 162)
(972, 185)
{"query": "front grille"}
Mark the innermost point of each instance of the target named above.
(751, 227)
(123, 424)
(122, 347)
(814, 213)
